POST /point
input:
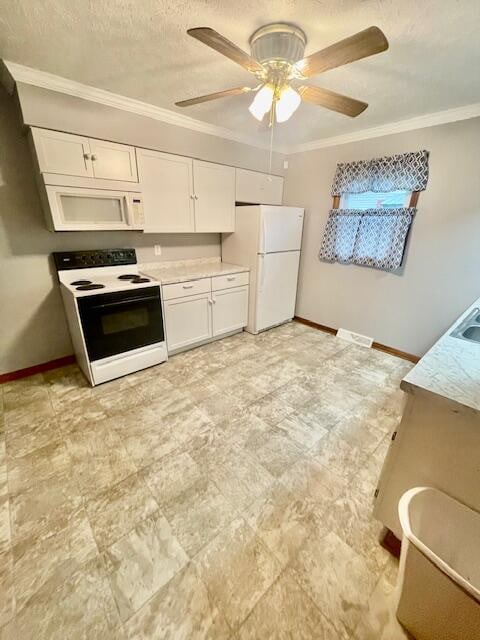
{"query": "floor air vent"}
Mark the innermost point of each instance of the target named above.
(357, 338)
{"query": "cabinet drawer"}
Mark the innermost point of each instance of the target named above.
(228, 281)
(189, 288)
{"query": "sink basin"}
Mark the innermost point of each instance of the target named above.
(472, 333)
(469, 329)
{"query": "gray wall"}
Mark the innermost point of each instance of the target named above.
(32, 321)
(440, 277)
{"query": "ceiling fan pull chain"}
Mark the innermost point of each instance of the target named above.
(271, 150)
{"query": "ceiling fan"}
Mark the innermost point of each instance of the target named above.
(277, 63)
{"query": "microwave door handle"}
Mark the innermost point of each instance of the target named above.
(128, 210)
(107, 305)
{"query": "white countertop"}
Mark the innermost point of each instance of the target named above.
(182, 270)
(451, 369)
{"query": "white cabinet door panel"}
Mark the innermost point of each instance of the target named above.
(62, 153)
(166, 183)
(230, 310)
(258, 188)
(214, 197)
(187, 321)
(113, 161)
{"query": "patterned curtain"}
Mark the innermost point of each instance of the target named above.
(405, 172)
(373, 237)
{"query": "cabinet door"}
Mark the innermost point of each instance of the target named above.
(113, 161)
(166, 182)
(188, 321)
(62, 153)
(258, 188)
(230, 310)
(214, 197)
(271, 189)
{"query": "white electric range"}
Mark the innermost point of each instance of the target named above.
(114, 312)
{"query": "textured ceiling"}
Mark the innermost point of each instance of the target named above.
(140, 49)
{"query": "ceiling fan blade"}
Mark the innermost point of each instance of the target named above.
(361, 45)
(214, 96)
(332, 100)
(216, 41)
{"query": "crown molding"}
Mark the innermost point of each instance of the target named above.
(420, 122)
(13, 72)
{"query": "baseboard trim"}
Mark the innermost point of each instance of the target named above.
(37, 368)
(376, 345)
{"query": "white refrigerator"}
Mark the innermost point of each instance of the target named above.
(267, 239)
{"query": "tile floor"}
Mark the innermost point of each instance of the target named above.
(225, 494)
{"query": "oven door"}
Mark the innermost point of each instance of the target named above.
(114, 323)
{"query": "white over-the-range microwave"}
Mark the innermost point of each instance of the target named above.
(81, 209)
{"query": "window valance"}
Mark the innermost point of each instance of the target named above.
(405, 172)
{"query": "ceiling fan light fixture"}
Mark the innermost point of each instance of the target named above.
(262, 102)
(287, 104)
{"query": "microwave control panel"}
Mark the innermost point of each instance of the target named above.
(138, 216)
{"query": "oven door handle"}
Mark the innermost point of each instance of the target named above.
(119, 303)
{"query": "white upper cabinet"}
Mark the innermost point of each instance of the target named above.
(166, 183)
(113, 161)
(214, 186)
(62, 153)
(258, 188)
(71, 155)
(184, 195)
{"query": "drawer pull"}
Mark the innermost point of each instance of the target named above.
(188, 286)
(230, 278)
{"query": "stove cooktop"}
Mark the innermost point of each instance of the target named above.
(82, 272)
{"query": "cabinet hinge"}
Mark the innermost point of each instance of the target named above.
(375, 495)
(394, 435)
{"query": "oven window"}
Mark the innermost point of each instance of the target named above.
(114, 323)
(89, 209)
(125, 320)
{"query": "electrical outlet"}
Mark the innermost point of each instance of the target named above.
(157, 249)
(285, 164)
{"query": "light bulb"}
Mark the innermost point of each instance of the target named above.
(262, 102)
(287, 104)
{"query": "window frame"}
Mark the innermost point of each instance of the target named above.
(413, 200)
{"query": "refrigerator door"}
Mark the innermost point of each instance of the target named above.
(280, 229)
(277, 275)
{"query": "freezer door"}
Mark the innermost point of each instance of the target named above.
(276, 288)
(280, 229)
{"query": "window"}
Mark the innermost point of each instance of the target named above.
(375, 200)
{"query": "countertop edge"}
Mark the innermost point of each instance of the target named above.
(223, 269)
(421, 387)
(455, 405)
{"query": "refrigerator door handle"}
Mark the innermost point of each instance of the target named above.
(262, 268)
(263, 245)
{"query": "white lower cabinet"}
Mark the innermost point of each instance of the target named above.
(193, 319)
(188, 320)
(229, 310)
